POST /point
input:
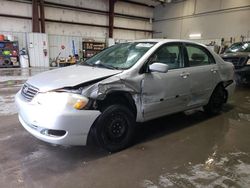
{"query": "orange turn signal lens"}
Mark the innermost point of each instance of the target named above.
(80, 104)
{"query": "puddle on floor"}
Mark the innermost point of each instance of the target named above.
(13, 78)
(244, 116)
(232, 170)
(7, 105)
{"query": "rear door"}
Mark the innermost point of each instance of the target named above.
(203, 73)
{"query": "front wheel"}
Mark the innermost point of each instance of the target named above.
(115, 127)
(216, 101)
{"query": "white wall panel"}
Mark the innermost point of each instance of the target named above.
(207, 41)
(174, 10)
(75, 30)
(37, 43)
(136, 10)
(210, 26)
(75, 16)
(15, 25)
(25, 9)
(234, 3)
(206, 6)
(232, 23)
(93, 4)
(188, 7)
(170, 11)
(135, 24)
(15, 8)
(168, 29)
(132, 9)
(130, 35)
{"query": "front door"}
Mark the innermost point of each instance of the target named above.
(166, 93)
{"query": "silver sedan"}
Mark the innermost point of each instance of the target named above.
(103, 98)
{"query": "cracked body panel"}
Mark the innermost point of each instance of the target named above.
(100, 90)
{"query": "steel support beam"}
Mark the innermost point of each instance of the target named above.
(111, 17)
(42, 16)
(35, 17)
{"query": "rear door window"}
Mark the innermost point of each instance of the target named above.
(198, 56)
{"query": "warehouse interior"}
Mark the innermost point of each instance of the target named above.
(186, 149)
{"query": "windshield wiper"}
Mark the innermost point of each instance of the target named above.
(99, 65)
(86, 64)
(105, 66)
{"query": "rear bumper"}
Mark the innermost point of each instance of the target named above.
(74, 123)
(230, 90)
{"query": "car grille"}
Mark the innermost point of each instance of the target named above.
(28, 91)
(238, 62)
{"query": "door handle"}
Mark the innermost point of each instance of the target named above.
(214, 70)
(184, 74)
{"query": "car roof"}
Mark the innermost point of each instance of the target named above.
(166, 41)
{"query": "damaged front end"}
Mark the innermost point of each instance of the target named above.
(107, 91)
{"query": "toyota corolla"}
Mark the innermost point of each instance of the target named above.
(104, 97)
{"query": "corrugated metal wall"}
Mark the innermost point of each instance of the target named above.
(37, 45)
(56, 41)
(22, 8)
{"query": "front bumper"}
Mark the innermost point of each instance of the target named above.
(75, 123)
(243, 75)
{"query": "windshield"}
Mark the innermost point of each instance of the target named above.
(120, 56)
(239, 47)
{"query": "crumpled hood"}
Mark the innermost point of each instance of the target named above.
(68, 77)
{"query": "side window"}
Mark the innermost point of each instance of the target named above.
(168, 54)
(198, 56)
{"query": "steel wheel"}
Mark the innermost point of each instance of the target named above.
(115, 128)
(216, 101)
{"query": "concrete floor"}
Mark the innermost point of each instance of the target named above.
(176, 151)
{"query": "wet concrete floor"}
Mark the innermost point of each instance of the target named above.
(175, 151)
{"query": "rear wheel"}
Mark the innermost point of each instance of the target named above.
(115, 127)
(216, 101)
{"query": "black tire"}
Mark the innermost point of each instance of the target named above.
(115, 127)
(216, 101)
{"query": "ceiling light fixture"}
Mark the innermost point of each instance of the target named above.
(195, 36)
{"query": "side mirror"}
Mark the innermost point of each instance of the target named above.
(158, 67)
